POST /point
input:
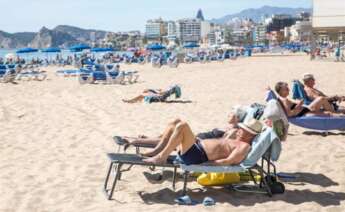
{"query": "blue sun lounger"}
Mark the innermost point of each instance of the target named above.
(265, 146)
(322, 123)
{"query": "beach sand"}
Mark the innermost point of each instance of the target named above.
(55, 135)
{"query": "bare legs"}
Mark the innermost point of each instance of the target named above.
(321, 103)
(145, 93)
(139, 98)
(182, 137)
(135, 99)
(164, 138)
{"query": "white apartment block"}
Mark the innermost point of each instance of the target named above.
(188, 30)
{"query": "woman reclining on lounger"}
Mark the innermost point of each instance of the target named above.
(156, 95)
(320, 106)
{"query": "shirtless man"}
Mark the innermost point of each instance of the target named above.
(236, 115)
(313, 93)
(222, 151)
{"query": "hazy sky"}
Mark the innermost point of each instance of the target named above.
(118, 15)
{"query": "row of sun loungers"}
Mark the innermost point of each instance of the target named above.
(10, 73)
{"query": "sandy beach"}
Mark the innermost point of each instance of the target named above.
(55, 135)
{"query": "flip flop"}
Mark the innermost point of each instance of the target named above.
(208, 201)
(120, 141)
(185, 200)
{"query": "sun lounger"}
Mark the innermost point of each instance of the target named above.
(322, 123)
(266, 146)
(117, 161)
(31, 75)
(7, 74)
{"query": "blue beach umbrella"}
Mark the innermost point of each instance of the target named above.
(51, 50)
(191, 45)
(26, 50)
(102, 50)
(155, 47)
(79, 48)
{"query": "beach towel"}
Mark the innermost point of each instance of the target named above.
(299, 93)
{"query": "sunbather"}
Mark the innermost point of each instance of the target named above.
(236, 115)
(223, 151)
(293, 108)
(313, 93)
(155, 95)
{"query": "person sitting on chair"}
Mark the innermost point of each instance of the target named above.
(296, 108)
(222, 151)
(313, 93)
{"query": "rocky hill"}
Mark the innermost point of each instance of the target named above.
(15, 40)
(257, 14)
(60, 36)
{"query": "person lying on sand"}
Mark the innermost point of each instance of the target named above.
(238, 113)
(296, 108)
(222, 151)
(155, 95)
(313, 93)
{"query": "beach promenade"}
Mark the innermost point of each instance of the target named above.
(55, 135)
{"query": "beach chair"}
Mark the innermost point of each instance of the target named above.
(266, 146)
(7, 74)
(299, 93)
(172, 61)
(321, 123)
(31, 75)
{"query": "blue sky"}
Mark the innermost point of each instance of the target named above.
(118, 15)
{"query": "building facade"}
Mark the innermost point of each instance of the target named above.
(301, 31)
(155, 29)
(328, 20)
(188, 30)
(259, 35)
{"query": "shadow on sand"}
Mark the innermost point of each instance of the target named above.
(178, 101)
(324, 134)
(226, 195)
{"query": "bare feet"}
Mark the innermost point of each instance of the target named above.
(151, 153)
(126, 101)
(156, 160)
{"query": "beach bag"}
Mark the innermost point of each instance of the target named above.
(216, 179)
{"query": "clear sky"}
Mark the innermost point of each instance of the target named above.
(118, 15)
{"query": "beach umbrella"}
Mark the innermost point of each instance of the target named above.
(191, 45)
(79, 48)
(102, 50)
(155, 47)
(51, 50)
(26, 50)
